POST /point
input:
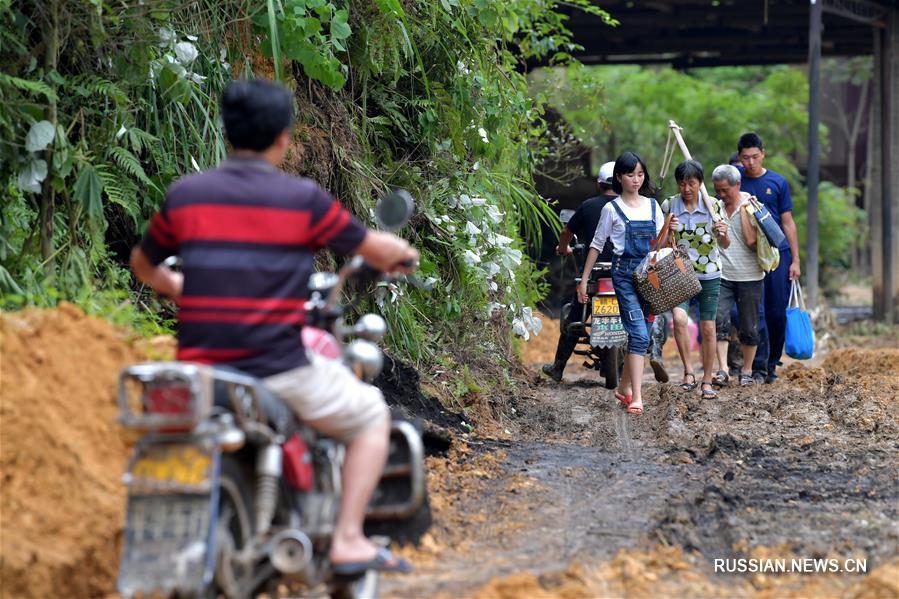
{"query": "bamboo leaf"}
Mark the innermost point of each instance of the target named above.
(87, 192)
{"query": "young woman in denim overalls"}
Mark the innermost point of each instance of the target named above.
(632, 222)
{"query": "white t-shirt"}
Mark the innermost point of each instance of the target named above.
(738, 262)
(612, 227)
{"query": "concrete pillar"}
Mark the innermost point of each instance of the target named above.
(885, 172)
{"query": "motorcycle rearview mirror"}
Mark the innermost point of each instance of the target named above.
(322, 281)
(394, 210)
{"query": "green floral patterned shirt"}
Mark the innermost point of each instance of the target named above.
(695, 235)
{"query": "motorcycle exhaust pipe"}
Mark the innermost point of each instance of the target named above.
(290, 551)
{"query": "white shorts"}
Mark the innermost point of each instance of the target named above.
(327, 396)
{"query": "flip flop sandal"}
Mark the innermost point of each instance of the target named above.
(624, 399)
(709, 393)
(637, 410)
(384, 561)
(721, 378)
(689, 386)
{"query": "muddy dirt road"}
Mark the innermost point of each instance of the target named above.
(588, 501)
(577, 499)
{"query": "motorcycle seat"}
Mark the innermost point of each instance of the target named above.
(277, 414)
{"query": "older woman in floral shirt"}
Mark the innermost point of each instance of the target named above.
(699, 233)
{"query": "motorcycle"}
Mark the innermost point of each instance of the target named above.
(228, 492)
(601, 337)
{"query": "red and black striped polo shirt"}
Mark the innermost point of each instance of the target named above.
(246, 233)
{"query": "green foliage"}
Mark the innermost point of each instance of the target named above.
(100, 109)
(425, 95)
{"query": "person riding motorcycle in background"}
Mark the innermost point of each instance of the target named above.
(247, 233)
(583, 225)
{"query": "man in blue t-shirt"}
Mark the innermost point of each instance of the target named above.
(773, 191)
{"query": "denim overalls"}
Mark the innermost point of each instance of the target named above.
(638, 238)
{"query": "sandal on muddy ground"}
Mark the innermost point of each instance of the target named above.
(635, 409)
(384, 561)
(691, 385)
(624, 399)
(746, 380)
(720, 378)
(709, 393)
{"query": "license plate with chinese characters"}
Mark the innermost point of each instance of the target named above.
(172, 508)
(605, 305)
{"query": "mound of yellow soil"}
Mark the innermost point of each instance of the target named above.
(862, 362)
(62, 457)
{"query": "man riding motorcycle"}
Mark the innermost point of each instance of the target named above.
(583, 225)
(246, 233)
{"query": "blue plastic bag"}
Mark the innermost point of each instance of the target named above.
(800, 336)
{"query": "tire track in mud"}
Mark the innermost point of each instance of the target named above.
(801, 468)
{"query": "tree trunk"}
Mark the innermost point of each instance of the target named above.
(51, 59)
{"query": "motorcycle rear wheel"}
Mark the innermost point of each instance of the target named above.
(235, 527)
(612, 366)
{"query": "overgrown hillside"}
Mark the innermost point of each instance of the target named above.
(103, 105)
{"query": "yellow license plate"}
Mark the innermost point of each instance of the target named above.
(173, 464)
(605, 305)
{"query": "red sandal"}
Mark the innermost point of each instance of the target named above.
(624, 399)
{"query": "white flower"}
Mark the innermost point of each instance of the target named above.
(493, 286)
(166, 37)
(511, 257)
(121, 132)
(519, 328)
(502, 240)
(494, 214)
(186, 52)
(192, 38)
(464, 200)
(483, 135)
(492, 269)
(196, 78)
(471, 229)
(471, 258)
(493, 307)
(478, 201)
(451, 228)
(476, 166)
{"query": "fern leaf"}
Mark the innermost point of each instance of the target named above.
(91, 85)
(129, 163)
(119, 190)
(29, 86)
